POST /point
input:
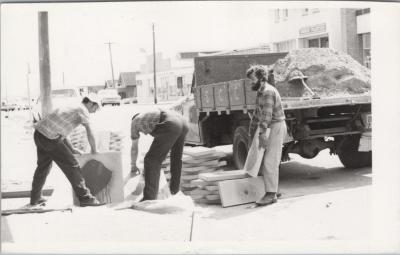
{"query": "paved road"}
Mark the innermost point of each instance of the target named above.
(321, 201)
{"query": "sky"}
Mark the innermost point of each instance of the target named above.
(78, 33)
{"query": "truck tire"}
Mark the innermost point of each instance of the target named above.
(241, 145)
(350, 156)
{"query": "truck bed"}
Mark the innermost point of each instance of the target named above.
(237, 95)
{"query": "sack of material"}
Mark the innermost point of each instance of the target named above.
(255, 156)
(179, 203)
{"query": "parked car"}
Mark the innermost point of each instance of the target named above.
(23, 104)
(109, 96)
(8, 107)
(129, 100)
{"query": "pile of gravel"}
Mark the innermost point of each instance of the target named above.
(329, 72)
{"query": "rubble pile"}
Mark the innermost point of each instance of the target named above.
(329, 73)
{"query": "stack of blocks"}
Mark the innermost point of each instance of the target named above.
(106, 140)
(79, 139)
(116, 141)
(195, 162)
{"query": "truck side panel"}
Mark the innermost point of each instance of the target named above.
(215, 69)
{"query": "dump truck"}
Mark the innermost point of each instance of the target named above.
(219, 113)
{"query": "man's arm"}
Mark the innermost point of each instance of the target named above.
(253, 124)
(134, 154)
(135, 147)
(267, 102)
(90, 136)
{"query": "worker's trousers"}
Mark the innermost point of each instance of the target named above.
(272, 156)
(169, 135)
(49, 150)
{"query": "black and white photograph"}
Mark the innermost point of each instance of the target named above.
(191, 127)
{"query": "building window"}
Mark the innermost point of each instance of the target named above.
(366, 44)
(305, 11)
(285, 14)
(313, 43)
(285, 46)
(322, 42)
(277, 16)
(362, 11)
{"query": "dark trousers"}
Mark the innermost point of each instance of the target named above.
(168, 135)
(56, 150)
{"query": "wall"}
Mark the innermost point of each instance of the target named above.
(363, 24)
(351, 40)
(290, 28)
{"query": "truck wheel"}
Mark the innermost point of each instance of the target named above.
(241, 145)
(350, 156)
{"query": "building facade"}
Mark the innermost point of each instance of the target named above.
(173, 77)
(344, 30)
(171, 84)
(126, 85)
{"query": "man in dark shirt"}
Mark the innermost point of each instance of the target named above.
(169, 130)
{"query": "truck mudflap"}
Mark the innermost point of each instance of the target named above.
(365, 142)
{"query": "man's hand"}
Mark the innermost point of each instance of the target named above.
(77, 151)
(263, 140)
(134, 170)
(252, 130)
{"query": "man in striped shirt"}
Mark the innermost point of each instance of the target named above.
(169, 130)
(268, 115)
(52, 144)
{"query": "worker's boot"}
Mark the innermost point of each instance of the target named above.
(91, 201)
(267, 199)
(40, 201)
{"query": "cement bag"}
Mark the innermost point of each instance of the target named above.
(255, 155)
(178, 203)
(163, 187)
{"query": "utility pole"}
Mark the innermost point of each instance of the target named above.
(111, 62)
(154, 66)
(28, 87)
(63, 80)
(44, 63)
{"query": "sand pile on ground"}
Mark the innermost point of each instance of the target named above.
(329, 72)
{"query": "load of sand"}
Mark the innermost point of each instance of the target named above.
(329, 73)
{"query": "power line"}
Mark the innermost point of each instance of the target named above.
(111, 61)
(154, 66)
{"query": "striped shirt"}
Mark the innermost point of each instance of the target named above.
(268, 107)
(62, 121)
(145, 123)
